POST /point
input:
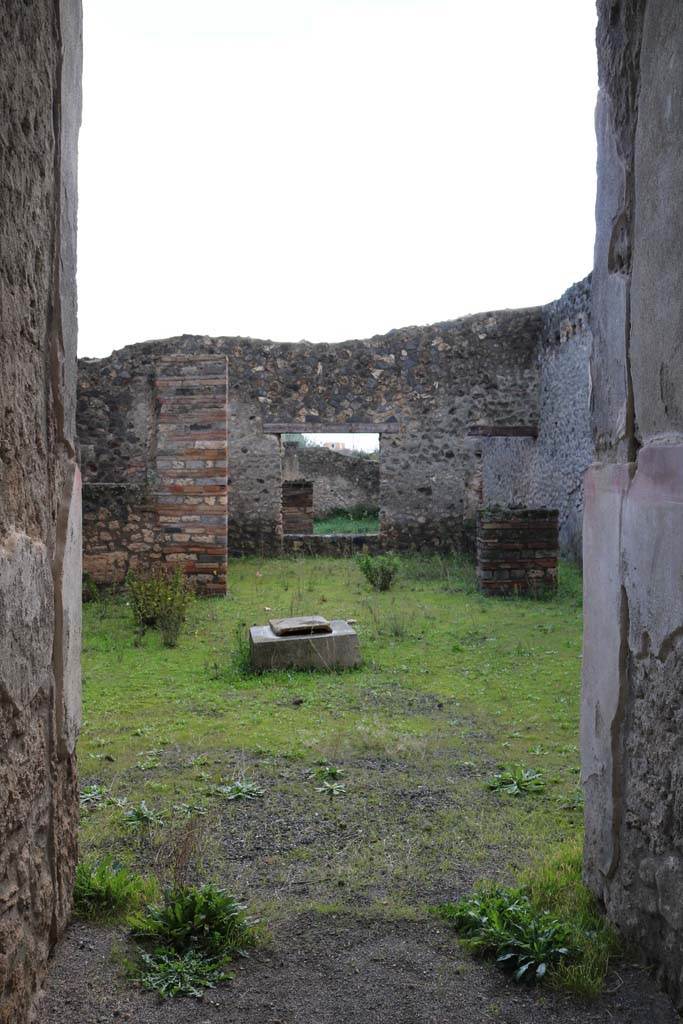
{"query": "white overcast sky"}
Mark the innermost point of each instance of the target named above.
(330, 169)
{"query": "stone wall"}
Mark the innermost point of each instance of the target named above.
(172, 507)
(420, 388)
(632, 708)
(341, 480)
(39, 490)
(547, 471)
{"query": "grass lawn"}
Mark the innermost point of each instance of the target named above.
(348, 522)
(453, 685)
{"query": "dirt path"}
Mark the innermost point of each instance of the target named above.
(338, 969)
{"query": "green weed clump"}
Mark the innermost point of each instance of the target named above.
(188, 938)
(103, 892)
(177, 974)
(502, 924)
(379, 570)
(549, 926)
(517, 780)
(160, 601)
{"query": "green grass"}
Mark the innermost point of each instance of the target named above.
(104, 891)
(453, 685)
(348, 522)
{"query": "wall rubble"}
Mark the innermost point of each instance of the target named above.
(40, 486)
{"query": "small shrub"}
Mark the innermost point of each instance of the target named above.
(160, 601)
(517, 780)
(502, 924)
(103, 892)
(201, 919)
(379, 570)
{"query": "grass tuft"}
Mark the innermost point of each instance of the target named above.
(105, 892)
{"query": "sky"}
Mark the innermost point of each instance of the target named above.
(330, 169)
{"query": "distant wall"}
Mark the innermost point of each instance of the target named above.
(40, 525)
(341, 480)
(547, 471)
(420, 388)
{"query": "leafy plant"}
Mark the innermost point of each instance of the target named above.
(517, 780)
(172, 974)
(93, 796)
(324, 770)
(149, 760)
(241, 653)
(502, 924)
(331, 788)
(240, 789)
(103, 891)
(142, 816)
(574, 802)
(192, 918)
(379, 570)
(161, 601)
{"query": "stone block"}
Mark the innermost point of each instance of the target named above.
(325, 651)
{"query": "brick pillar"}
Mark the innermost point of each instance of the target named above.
(191, 461)
(517, 550)
(297, 506)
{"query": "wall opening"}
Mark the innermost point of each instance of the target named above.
(330, 484)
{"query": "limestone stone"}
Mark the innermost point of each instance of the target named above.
(325, 651)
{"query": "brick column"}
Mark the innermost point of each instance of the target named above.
(517, 550)
(191, 460)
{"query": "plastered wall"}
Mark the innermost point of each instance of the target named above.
(632, 710)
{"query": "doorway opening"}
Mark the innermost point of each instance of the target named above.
(330, 484)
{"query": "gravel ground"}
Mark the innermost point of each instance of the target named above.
(337, 969)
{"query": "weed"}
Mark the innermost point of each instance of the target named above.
(241, 789)
(201, 918)
(325, 770)
(177, 974)
(149, 760)
(140, 816)
(574, 802)
(379, 570)
(241, 653)
(517, 780)
(332, 789)
(93, 796)
(103, 891)
(502, 924)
